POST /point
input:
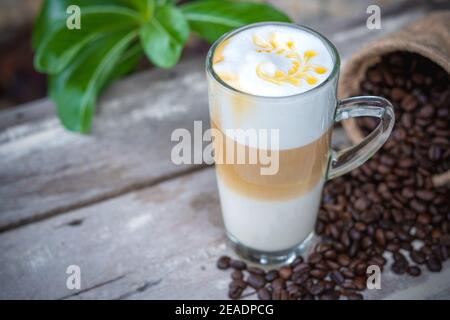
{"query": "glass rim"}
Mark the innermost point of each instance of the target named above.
(328, 44)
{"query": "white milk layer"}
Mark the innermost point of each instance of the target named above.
(274, 61)
(269, 226)
(299, 120)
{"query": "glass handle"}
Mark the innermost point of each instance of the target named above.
(350, 158)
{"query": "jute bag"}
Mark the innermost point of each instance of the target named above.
(428, 37)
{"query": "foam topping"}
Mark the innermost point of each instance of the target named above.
(272, 60)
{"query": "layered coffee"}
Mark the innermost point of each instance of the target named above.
(269, 77)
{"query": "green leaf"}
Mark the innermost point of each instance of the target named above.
(145, 7)
(211, 19)
(54, 13)
(127, 62)
(164, 36)
(63, 44)
(76, 88)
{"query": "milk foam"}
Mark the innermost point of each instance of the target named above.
(269, 225)
(273, 60)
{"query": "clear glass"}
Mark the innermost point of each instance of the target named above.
(270, 218)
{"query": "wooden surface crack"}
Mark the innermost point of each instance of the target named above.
(139, 185)
(95, 286)
(140, 289)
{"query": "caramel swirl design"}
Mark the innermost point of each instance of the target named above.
(301, 66)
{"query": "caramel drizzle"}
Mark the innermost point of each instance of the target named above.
(301, 66)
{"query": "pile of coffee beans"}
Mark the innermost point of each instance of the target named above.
(388, 206)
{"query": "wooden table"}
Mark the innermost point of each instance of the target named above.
(113, 203)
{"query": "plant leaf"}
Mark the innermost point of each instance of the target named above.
(211, 19)
(76, 88)
(127, 62)
(54, 13)
(145, 7)
(164, 36)
(62, 45)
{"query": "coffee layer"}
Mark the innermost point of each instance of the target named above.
(299, 169)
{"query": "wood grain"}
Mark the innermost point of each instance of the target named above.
(114, 204)
(45, 170)
(157, 243)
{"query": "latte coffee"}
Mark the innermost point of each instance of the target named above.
(272, 76)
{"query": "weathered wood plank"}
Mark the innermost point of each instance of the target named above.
(161, 242)
(45, 170)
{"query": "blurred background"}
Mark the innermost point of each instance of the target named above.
(20, 83)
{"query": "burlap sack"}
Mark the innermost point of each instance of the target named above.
(429, 37)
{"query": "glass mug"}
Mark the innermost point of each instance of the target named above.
(270, 218)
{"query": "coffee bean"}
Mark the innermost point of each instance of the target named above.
(300, 277)
(343, 260)
(397, 94)
(271, 275)
(434, 152)
(285, 272)
(337, 277)
(361, 204)
(318, 273)
(361, 269)
(408, 103)
(417, 257)
(332, 264)
(238, 264)
(360, 283)
(374, 76)
(434, 265)
(330, 254)
(223, 262)
(425, 195)
(427, 111)
(294, 291)
(302, 268)
(235, 293)
(237, 284)
(355, 234)
(414, 271)
(355, 296)
(366, 242)
(330, 295)
(314, 258)
(237, 275)
(307, 296)
(400, 258)
(297, 261)
(280, 294)
(256, 281)
(424, 218)
(317, 289)
(398, 268)
(379, 237)
(264, 294)
(276, 294)
(417, 206)
(256, 270)
(347, 273)
(348, 284)
(278, 283)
